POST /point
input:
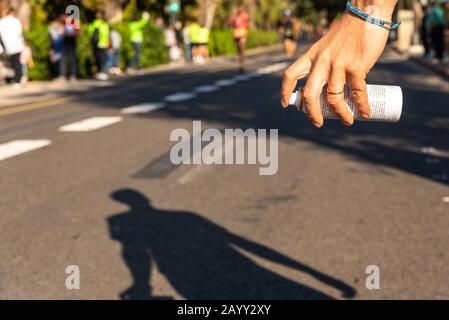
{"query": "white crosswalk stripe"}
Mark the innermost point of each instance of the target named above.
(206, 89)
(17, 147)
(225, 82)
(180, 96)
(90, 124)
(143, 108)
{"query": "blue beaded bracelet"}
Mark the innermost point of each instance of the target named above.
(378, 22)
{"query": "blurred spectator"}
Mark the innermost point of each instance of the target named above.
(68, 52)
(178, 32)
(99, 36)
(425, 31)
(113, 53)
(160, 23)
(186, 40)
(195, 39)
(436, 24)
(204, 34)
(26, 61)
(5, 71)
(172, 44)
(135, 29)
(11, 34)
(56, 33)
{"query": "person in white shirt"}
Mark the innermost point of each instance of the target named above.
(11, 34)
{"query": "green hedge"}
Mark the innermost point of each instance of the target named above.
(222, 43)
(154, 51)
(38, 41)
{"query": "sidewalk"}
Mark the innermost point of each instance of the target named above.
(39, 91)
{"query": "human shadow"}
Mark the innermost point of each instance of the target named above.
(200, 259)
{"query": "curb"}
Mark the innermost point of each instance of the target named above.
(141, 73)
(443, 72)
(169, 66)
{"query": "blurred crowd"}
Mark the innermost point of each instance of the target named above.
(15, 54)
(184, 42)
(435, 29)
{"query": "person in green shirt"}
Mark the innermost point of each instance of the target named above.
(136, 35)
(98, 33)
(203, 35)
(199, 38)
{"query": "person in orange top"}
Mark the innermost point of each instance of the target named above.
(240, 25)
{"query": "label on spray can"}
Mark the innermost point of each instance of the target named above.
(385, 103)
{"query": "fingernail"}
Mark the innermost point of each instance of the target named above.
(317, 124)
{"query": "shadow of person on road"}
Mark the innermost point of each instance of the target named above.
(200, 259)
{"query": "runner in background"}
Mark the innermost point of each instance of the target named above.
(240, 25)
(287, 33)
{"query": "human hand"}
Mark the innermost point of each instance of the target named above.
(345, 54)
(146, 15)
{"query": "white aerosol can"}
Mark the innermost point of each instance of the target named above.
(385, 103)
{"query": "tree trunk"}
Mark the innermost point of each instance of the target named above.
(114, 10)
(252, 7)
(207, 11)
(23, 11)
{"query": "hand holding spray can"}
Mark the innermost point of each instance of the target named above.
(385, 103)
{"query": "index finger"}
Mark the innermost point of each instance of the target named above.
(299, 69)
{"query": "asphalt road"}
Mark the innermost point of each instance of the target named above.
(110, 202)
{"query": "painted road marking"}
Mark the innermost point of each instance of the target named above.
(143, 108)
(16, 147)
(272, 68)
(36, 105)
(206, 89)
(225, 82)
(243, 77)
(90, 124)
(180, 96)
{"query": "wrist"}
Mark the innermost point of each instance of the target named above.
(379, 8)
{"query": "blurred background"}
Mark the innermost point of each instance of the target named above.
(312, 20)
